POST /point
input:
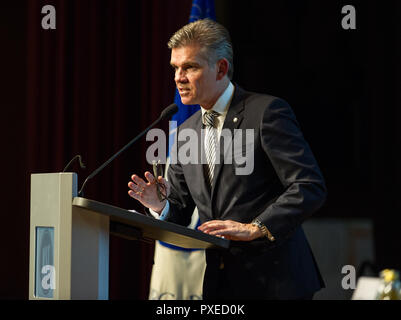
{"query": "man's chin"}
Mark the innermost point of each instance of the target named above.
(186, 102)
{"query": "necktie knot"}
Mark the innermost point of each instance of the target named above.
(209, 117)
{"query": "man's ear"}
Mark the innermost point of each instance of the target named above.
(222, 68)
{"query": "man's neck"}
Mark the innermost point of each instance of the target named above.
(219, 92)
(223, 102)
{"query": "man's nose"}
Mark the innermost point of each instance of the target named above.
(180, 76)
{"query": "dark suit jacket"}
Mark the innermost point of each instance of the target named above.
(284, 188)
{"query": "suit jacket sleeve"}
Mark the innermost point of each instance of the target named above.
(296, 167)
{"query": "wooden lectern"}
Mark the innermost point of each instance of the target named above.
(69, 239)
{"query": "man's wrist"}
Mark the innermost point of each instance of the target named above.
(263, 229)
(159, 209)
(256, 232)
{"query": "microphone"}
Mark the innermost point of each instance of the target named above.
(169, 111)
(166, 113)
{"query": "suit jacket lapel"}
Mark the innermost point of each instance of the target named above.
(232, 121)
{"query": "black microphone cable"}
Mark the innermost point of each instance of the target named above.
(81, 164)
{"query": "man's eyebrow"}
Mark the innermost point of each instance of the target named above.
(186, 64)
(192, 63)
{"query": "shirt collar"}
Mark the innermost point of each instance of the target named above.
(223, 102)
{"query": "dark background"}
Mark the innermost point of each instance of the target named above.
(103, 75)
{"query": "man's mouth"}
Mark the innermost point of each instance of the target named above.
(183, 91)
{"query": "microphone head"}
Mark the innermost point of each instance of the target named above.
(169, 111)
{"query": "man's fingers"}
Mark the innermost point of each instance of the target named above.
(139, 181)
(227, 229)
(222, 232)
(225, 233)
(150, 177)
(164, 186)
(135, 195)
(209, 223)
(145, 192)
(214, 229)
(213, 225)
(134, 187)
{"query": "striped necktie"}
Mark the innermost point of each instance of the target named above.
(210, 142)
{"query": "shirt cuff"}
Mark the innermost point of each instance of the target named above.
(164, 214)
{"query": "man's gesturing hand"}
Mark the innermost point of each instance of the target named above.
(231, 230)
(146, 192)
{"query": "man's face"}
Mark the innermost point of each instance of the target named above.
(195, 79)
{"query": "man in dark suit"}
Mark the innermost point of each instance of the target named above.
(260, 210)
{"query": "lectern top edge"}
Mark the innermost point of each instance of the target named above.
(154, 228)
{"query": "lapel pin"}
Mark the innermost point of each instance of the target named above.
(235, 119)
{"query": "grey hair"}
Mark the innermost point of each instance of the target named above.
(213, 38)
